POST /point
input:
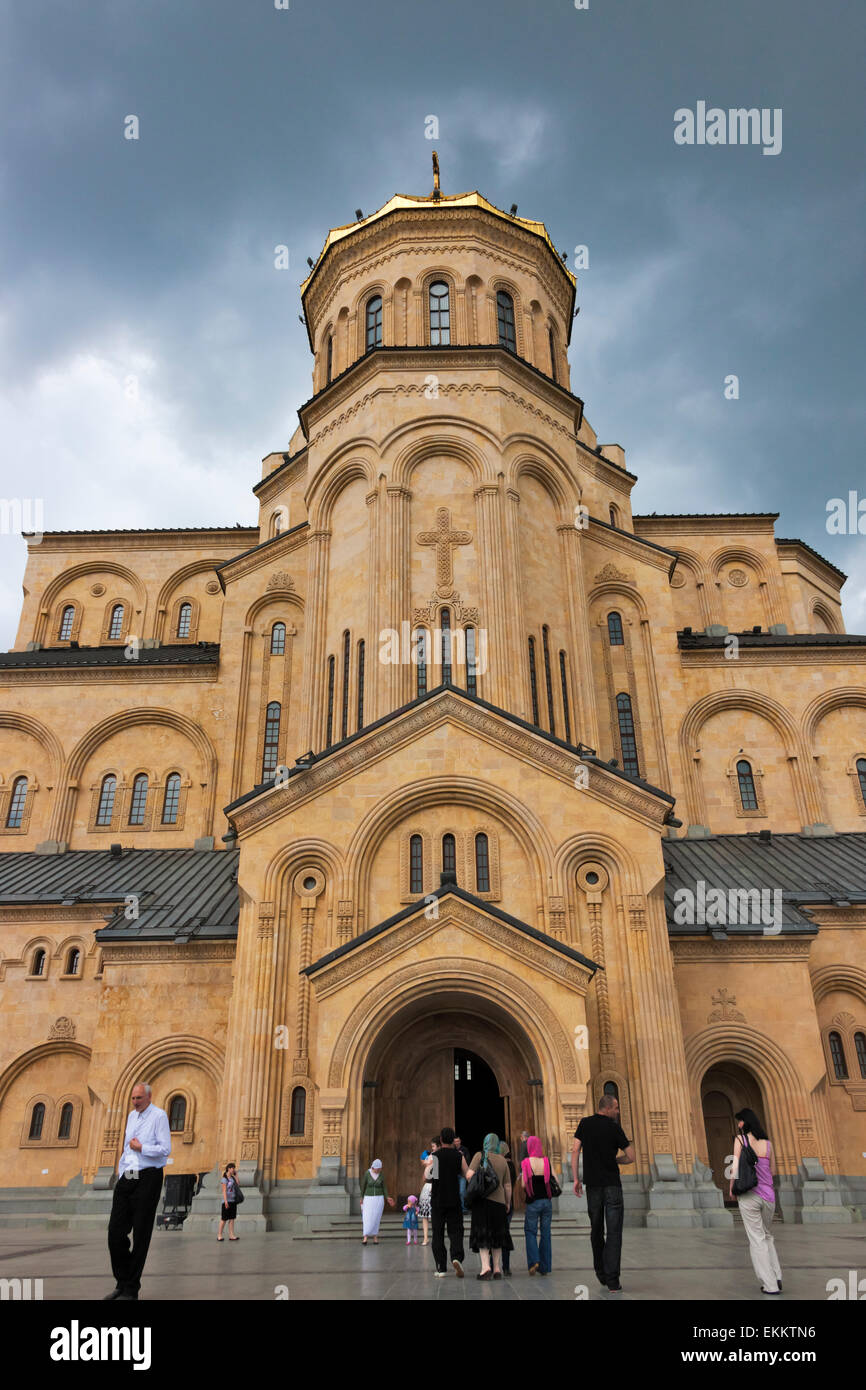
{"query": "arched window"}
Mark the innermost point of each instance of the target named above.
(449, 855)
(277, 522)
(610, 1088)
(545, 642)
(614, 630)
(67, 618)
(374, 322)
(329, 725)
(17, 802)
(445, 623)
(860, 1049)
(628, 743)
(184, 620)
(344, 722)
(746, 782)
(38, 965)
(73, 960)
(471, 672)
(861, 777)
(139, 800)
(440, 315)
(115, 628)
(362, 656)
(422, 645)
(837, 1053)
(272, 738)
(177, 1114)
(416, 865)
(298, 1119)
(563, 677)
(505, 320)
(278, 639)
(171, 799)
(533, 681)
(611, 511)
(107, 793)
(482, 864)
(37, 1119)
(551, 342)
(64, 1129)
(329, 360)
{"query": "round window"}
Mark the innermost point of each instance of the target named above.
(309, 884)
(592, 878)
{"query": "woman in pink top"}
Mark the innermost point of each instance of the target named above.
(758, 1205)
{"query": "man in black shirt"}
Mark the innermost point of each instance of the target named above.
(445, 1205)
(601, 1139)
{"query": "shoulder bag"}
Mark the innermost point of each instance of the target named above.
(747, 1168)
(480, 1185)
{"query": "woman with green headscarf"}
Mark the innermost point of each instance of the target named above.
(489, 1231)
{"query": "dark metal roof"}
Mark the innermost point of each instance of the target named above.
(789, 540)
(702, 516)
(181, 891)
(145, 530)
(699, 641)
(194, 654)
(829, 869)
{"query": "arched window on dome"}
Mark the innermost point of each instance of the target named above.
(614, 630)
(329, 722)
(533, 680)
(449, 855)
(837, 1053)
(362, 656)
(171, 799)
(115, 627)
(471, 669)
(563, 676)
(373, 318)
(505, 320)
(627, 740)
(67, 619)
(278, 639)
(482, 864)
(416, 864)
(329, 360)
(272, 738)
(344, 722)
(107, 793)
(746, 784)
(548, 682)
(551, 343)
(138, 802)
(184, 620)
(440, 314)
(445, 625)
(17, 802)
(422, 648)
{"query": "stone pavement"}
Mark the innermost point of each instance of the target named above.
(657, 1265)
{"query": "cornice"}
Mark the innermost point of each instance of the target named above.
(121, 953)
(708, 525)
(623, 544)
(74, 675)
(149, 540)
(264, 556)
(80, 912)
(691, 951)
(836, 657)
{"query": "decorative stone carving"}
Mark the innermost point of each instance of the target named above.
(62, 1030)
(212, 586)
(738, 578)
(678, 581)
(608, 573)
(843, 1020)
(280, 580)
(725, 1013)
(443, 539)
(97, 590)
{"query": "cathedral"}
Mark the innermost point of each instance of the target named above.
(452, 792)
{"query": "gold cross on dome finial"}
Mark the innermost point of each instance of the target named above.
(435, 172)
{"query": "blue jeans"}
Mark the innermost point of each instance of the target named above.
(538, 1252)
(462, 1182)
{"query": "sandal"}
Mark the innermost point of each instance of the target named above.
(234, 1237)
(220, 1239)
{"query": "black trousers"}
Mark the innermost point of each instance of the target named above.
(605, 1208)
(452, 1217)
(133, 1208)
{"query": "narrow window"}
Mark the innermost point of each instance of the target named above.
(171, 800)
(17, 802)
(482, 864)
(421, 646)
(611, 512)
(551, 341)
(471, 673)
(361, 661)
(107, 794)
(329, 728)
(329, 368)
(563, 677)
(449, 855)
(416, 865)
(66, 621)
(184, 620)
(344, 722)
(37, 1119)
(278, 639)
(860, 1048)
(505, 320)
(277, 522)
(837, 1052)
(177, 1114)
(64, 1129)
(116, 627)
(610, 1089)
(73, 961)
(627, 740)
(272, 738)
(374, 322)
(38, 967)
(299, 1111)
(139, 800)
(748, 795)
(861, 777)
(614, 630)
(440, 315)
(533, 681)
(545, 641)
(445, 621)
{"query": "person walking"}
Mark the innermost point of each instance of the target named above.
(374, 1195)
(464, 1154)
(445, 1205)
(512, 1173)
(488, 1234)
(601, 1139)
(758, 1205)
(535, 1176)
(146, 1146)
(521, 1151)
(426, 1194)
(230, 1201)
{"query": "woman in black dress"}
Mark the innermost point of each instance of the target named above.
(489, 1234)
(230, 1201)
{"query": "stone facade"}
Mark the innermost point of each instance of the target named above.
(443, 477)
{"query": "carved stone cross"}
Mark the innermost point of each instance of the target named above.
(443, 538)
(726, 1012)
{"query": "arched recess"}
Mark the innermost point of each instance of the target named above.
(175, 581)
(157, 1057)
(96, 566)
(318, 854)
(36, 1054)
(439, 436)
(849, 979)
(9, 719)
(847, 695)
(831, 620)
(769, 597)
(551, 473)
(834, 752)
(331, 479)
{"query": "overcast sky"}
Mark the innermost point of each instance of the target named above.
(151, 354)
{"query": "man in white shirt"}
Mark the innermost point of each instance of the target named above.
(146, 1146)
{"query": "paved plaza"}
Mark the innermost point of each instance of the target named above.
(657, 1265)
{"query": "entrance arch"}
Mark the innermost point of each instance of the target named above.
(726, 1088)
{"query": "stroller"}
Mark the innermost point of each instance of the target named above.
(180, 1188)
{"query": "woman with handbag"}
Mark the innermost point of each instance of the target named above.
(488, 1192)
(752, 1185)
(231, 1195)
(540, 1187)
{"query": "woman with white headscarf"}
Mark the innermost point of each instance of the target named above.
(374, 1195)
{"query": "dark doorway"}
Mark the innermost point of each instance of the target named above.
(478, 1107)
